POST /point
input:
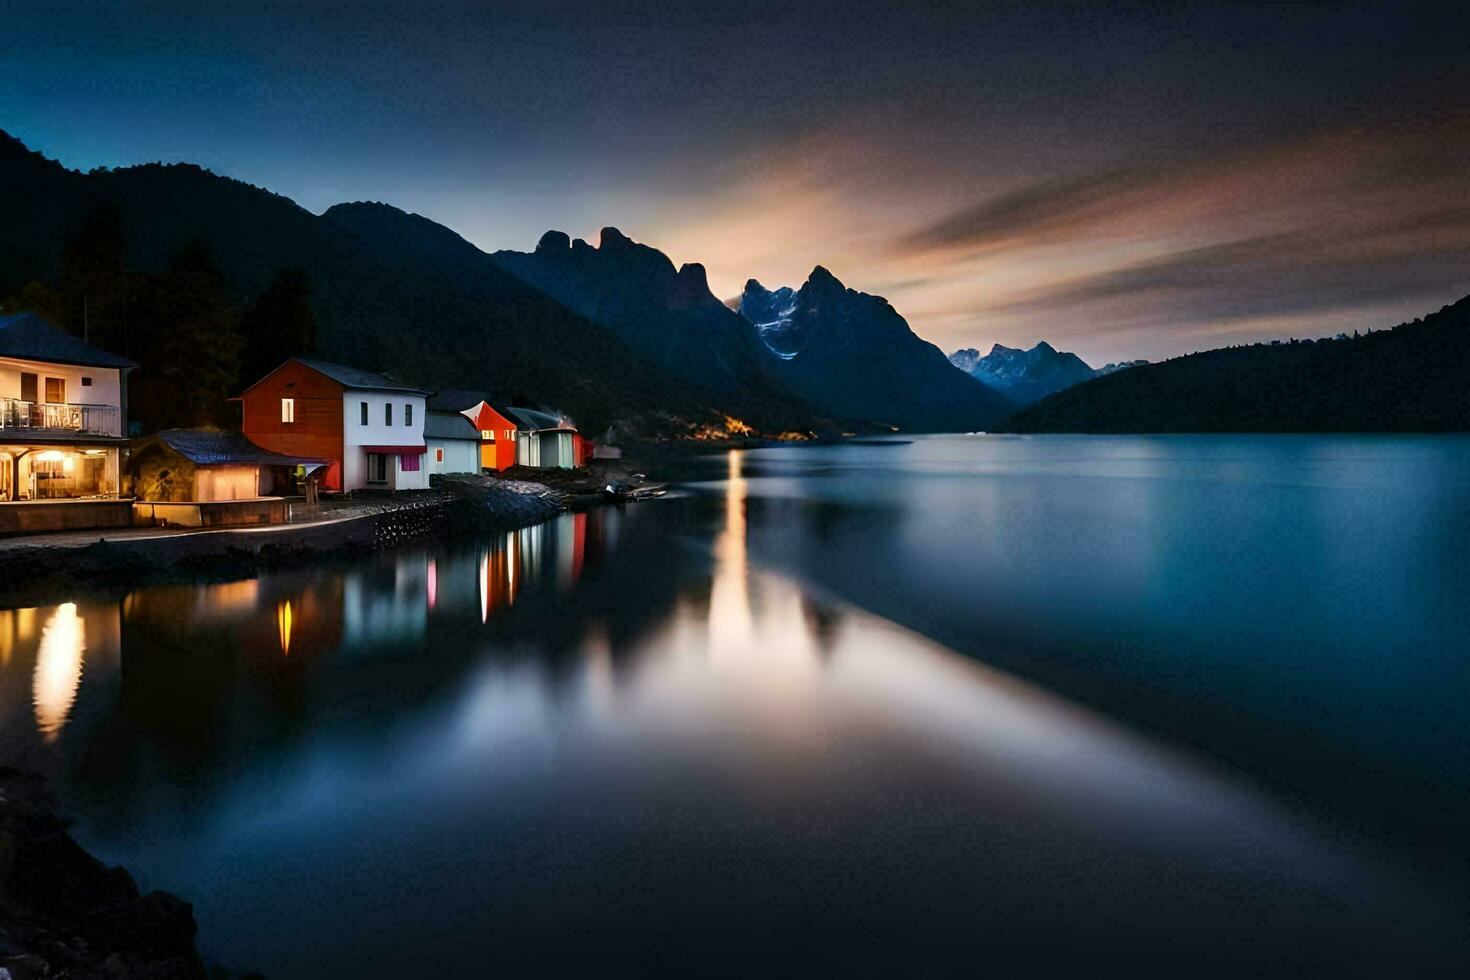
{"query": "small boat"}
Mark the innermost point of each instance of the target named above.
(621, 491)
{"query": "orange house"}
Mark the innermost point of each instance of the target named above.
(497, 433)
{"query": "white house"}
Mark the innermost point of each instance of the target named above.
(63, 413)
(368, 427)
(453, 443)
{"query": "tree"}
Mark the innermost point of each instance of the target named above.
(94, 281)
(188, 342)
(35, 297)
(278, 324)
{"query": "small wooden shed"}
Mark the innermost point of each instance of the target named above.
(208, 477)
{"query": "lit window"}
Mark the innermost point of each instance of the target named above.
(408, 414)
(387, 413)
(487, 434)
(438, 455)
(288, 410)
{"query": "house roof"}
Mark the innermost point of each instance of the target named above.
(351, 377)
(28, 336)
(533, 420)
(213, 447)
(449, 425)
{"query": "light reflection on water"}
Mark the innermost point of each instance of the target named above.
(625, 721)
(59, 668)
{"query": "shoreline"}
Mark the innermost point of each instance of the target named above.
(63, 912)
(110, 567)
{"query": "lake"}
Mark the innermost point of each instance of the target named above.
(1193, 705)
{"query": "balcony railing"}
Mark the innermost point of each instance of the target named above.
(52, 418)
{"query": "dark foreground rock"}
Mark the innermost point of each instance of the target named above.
(64, 914)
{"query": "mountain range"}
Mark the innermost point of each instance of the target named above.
(854, 355)
(608, 333)
(1027, 376)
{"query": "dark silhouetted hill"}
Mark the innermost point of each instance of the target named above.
(390, 292)
(1412, 378)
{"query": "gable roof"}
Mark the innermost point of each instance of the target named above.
(449, 425)
(206, 447)
(28, 336)
(357, 378)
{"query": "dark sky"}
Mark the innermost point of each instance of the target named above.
(1122, 181)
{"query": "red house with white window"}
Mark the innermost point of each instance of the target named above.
(369, 427)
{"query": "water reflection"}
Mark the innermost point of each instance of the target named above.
(59, 668)
(652, 716)
(729, 612)
(283, 626)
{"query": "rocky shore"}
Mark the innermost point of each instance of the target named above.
(64, 915)
(39, 572)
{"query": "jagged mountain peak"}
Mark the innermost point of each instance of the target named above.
(694, 276)
(820, 275)
(612, 238)
(1025, 375)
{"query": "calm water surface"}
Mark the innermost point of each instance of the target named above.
(1016, 706)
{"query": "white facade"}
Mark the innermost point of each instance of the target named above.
(92, 395)
(404, 427)
(59, 426)
(453, 455)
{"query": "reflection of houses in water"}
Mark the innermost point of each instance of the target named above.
(53, 660)
(545, 558)
(497, 581)
(386, 605)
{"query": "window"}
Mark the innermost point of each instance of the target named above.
(55, 390)
(27, 387)
(86, 382)
(387, 413)
(363, 407)
(438, 455)
(408, 414)
(487, 434)
(288, 410)
(377, 470)
(408, 462)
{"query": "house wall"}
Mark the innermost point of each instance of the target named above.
(499, 453)
(226, 482)
(460, 455)
(378, 433)
(105, 389)
(64, 515)
(317, 430)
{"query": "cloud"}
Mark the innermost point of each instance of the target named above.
(1035, 211)
(1282, 233)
